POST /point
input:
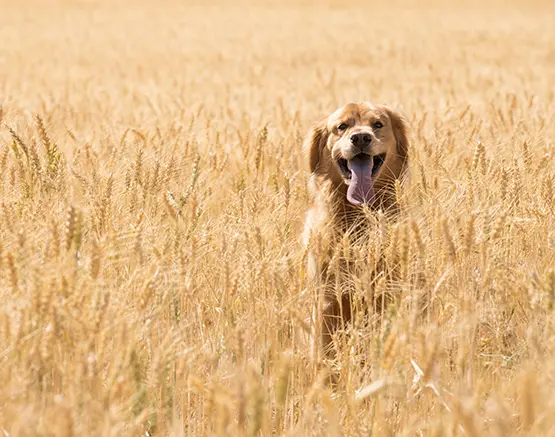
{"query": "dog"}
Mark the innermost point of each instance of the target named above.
(355, 156)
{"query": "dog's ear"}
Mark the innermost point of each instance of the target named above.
(400, 130)
(314, 144)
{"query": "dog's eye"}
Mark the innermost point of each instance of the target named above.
(342, 126)
(378, 125)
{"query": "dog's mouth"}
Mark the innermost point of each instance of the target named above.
(359, 174)
(377, 162)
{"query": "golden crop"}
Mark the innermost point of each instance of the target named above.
(152, 196)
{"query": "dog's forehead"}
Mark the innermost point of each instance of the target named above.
(357, 111)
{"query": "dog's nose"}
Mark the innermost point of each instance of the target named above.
(361, 139)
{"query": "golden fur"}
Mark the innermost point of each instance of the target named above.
(332, 214)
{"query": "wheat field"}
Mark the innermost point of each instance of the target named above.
(152, 198)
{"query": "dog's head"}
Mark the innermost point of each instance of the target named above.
(360, 149)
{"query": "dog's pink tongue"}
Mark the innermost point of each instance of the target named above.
(361, 188)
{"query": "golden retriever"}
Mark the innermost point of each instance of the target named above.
(355, 155)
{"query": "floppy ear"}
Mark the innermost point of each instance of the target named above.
(314, 143)
(400, 130)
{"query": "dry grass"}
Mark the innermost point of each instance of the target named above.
(152, 194)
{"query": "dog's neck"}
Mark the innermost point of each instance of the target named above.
(346, 217)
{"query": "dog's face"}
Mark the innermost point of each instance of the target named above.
(358, 148)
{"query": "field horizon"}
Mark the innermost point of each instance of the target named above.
(152, 197)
